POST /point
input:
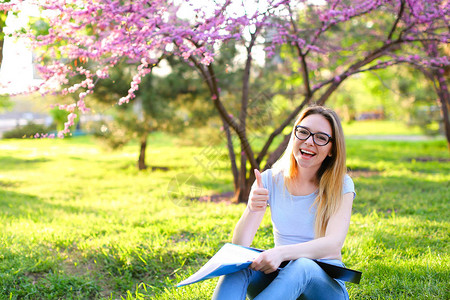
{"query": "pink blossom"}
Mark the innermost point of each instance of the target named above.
(82, 105)
(70, 122)
(207, 58)
(102, 73)
(88, 38)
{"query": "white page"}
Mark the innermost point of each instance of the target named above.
(229, 254)
(234, 254)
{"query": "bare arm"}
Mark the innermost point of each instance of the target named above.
(246, 228)
(328, 246)
(248, 224)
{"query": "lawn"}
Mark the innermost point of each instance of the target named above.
(79, 222)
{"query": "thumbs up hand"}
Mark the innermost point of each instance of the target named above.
(257, 200)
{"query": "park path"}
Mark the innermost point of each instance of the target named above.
(395, 137)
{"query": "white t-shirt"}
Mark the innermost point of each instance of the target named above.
(293, 216)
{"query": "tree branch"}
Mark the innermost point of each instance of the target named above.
(225, 115)
(245, 81)
(302, 56)
(275, 155)
(354, 68)
(280, 129)
(325, 27)
(399, 16)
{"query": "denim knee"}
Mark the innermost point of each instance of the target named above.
(300, 268)
(302, 264)
(233, 286)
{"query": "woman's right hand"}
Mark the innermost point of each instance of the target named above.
(257, 200)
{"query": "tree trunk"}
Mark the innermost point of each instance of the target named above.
(443, 94)
(438, 78)
(1, 50)
(141, 161)
(241, 193)
(440, 86)
(234, 169)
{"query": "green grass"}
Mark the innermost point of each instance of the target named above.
(374, 127)
(79, 222)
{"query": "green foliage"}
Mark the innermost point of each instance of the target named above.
(39, 26)
(59, 117)
(164, 103)
(26, 131)
(96, 228)
(5, 102)
(397, 94)
(109, 134)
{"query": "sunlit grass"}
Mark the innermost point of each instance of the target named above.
(376, 127)
(81, 222)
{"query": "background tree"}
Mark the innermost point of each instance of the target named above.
(326, 40)
(156, 107)
(324, 54)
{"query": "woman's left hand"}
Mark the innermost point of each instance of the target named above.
(268, 261)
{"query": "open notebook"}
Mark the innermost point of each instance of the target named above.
(232, 258)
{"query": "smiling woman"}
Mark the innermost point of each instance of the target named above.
(310, 198)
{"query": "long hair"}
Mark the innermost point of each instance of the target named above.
(330, 174)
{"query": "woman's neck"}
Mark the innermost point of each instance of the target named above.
(307, 175)
(304, 183)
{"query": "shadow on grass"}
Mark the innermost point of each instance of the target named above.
(30, 206)
(13, 163)
(9, 183)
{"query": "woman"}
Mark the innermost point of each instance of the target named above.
(310, 198)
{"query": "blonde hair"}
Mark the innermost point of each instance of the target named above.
(330, 174)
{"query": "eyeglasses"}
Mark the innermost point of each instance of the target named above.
(319, 138)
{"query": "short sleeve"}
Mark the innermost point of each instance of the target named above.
(349, 186)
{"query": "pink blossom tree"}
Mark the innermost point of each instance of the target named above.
(329, 42)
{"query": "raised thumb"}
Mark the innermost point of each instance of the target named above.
(258, 178)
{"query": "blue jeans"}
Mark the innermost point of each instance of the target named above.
(300, 279)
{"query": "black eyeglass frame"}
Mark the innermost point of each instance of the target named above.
(313, 135)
